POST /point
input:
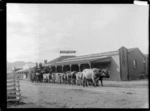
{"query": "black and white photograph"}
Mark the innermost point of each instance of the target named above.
(77, 55)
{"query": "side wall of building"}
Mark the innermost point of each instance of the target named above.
(114, 69)
(136, 65)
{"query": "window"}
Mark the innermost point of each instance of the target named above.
(144, 61)
(134, 64)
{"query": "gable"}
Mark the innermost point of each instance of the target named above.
(138, 50)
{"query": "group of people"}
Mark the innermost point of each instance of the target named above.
(85, 78)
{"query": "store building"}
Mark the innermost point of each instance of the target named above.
(123, 64)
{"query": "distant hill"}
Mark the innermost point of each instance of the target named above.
(17, 64)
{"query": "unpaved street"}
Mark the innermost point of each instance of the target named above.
(129, 94)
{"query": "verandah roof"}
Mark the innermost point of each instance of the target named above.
(24, 70)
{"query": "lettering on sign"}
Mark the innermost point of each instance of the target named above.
(67, 52)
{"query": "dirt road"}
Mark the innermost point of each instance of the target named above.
(133, 94)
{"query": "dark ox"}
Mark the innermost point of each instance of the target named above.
(71, 77)
(104, 74)
(33, 77)
(68, 73)
(64, 77)
(37, 77)
(94, 75)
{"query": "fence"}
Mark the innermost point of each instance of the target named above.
(13, 88)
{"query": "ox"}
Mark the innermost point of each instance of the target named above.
(40, 76)
(73, 77)
(64, 78)
(32, 77)
(94, 75)
(68, 73)
(104, 74)
(53, 77)
(46, 77)
(79, 78)
(37, 74)
(58, 77)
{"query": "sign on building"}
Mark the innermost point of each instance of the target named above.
(67, 52)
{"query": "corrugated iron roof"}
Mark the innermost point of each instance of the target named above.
(132, 49)
(80, 59)
(94, 55)
(83, 58)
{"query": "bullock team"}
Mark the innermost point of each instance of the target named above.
(85, 78)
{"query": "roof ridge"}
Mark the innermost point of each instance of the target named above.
(55, 60)
(132, 48)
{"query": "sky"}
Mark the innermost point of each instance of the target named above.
(37, 32)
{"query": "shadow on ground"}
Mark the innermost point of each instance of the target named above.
(22, 105)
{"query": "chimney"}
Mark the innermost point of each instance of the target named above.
(45, 61)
